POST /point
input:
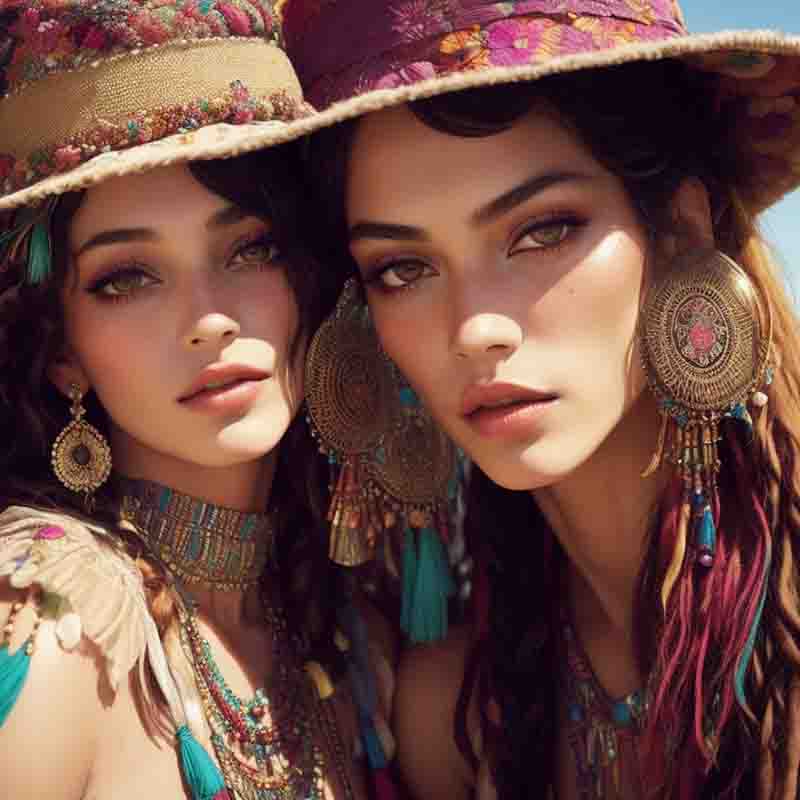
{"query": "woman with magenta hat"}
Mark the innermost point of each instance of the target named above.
(551, 210)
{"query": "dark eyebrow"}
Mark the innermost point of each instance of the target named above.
(230, 215)
(496, 208)
(519, 194)
(385, 230)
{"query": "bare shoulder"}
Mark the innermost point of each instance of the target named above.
(52, 716)
(429, 681)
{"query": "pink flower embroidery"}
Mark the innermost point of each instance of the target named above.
(418, 71)
(514, 41)
(6, 166)
(66, 158)
(49, 532)
(94, 39)
(238, 21)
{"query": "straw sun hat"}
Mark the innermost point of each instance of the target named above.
(358, 56)
(92, 89)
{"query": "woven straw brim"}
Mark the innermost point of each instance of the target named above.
(682, 47)
(218, 141)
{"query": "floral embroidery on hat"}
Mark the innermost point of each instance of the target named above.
(235, 107)
(44, 36)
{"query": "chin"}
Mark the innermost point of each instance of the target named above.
(537, 466)
(255, 437)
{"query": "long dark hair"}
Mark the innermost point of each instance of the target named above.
(32, 412)
(653, 125)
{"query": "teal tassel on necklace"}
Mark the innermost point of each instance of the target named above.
(13, 673)
(202, 776)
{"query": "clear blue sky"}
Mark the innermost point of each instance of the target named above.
(782, 223)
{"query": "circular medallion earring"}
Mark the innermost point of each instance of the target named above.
(392, 470)
(706, 356)
(80, 456)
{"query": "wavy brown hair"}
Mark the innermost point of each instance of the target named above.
(653, 125)
(32, 412)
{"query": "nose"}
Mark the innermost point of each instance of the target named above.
(212, 329)
(488, 334)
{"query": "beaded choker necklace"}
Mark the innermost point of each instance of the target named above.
(201, 544)
(602, 731)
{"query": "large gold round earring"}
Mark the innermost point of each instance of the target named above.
(706, 355)
(80, 456)
(392, 469)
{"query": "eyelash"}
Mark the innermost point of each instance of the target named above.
(375, 278)
(134, 269)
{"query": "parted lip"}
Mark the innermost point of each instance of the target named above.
(223, 373)
(491, 394)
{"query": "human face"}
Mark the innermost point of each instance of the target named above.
(173, 289)
(504, 275)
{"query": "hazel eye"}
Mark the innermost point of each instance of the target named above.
(403, 273)
(123, 283)
(254, 253)
(544, 235)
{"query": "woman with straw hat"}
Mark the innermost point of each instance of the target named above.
(174, 628)
(551, 206)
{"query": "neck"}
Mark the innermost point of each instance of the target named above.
(600, 515)
(216, 553)
(244, 486)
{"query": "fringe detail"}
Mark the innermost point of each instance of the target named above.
(202, 776)
(13, 674)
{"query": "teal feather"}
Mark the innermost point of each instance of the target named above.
(433, 588)
(39, 255)
(747, 652)
(13, 673)
(200, 772)
(372, 745)
(409, 578)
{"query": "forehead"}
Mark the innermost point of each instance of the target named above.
(415, 163)
(168, 196)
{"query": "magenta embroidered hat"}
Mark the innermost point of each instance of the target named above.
(357, 56)
(91, 89)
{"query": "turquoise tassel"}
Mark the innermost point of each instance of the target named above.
(409, 579)
(39, 255)
(747, 652)
(13, 673)
(433, 587)
(201, 773)
(372, 745)
(706, 538)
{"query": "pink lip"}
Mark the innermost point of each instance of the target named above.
(479, 396)
(507, 421)
(232, 374)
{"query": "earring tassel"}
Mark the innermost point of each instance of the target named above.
(201, 773)
(13, 673)
(678, 555)
(706, 538)
(409, 579)
(433, 587)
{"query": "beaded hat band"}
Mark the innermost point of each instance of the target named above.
(87, 96)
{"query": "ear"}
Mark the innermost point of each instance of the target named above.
(691, 213)
(64, 372)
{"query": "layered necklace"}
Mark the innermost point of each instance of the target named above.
(602, 731)
(265, 745)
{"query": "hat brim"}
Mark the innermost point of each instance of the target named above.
(688, 47)
(217, 141)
